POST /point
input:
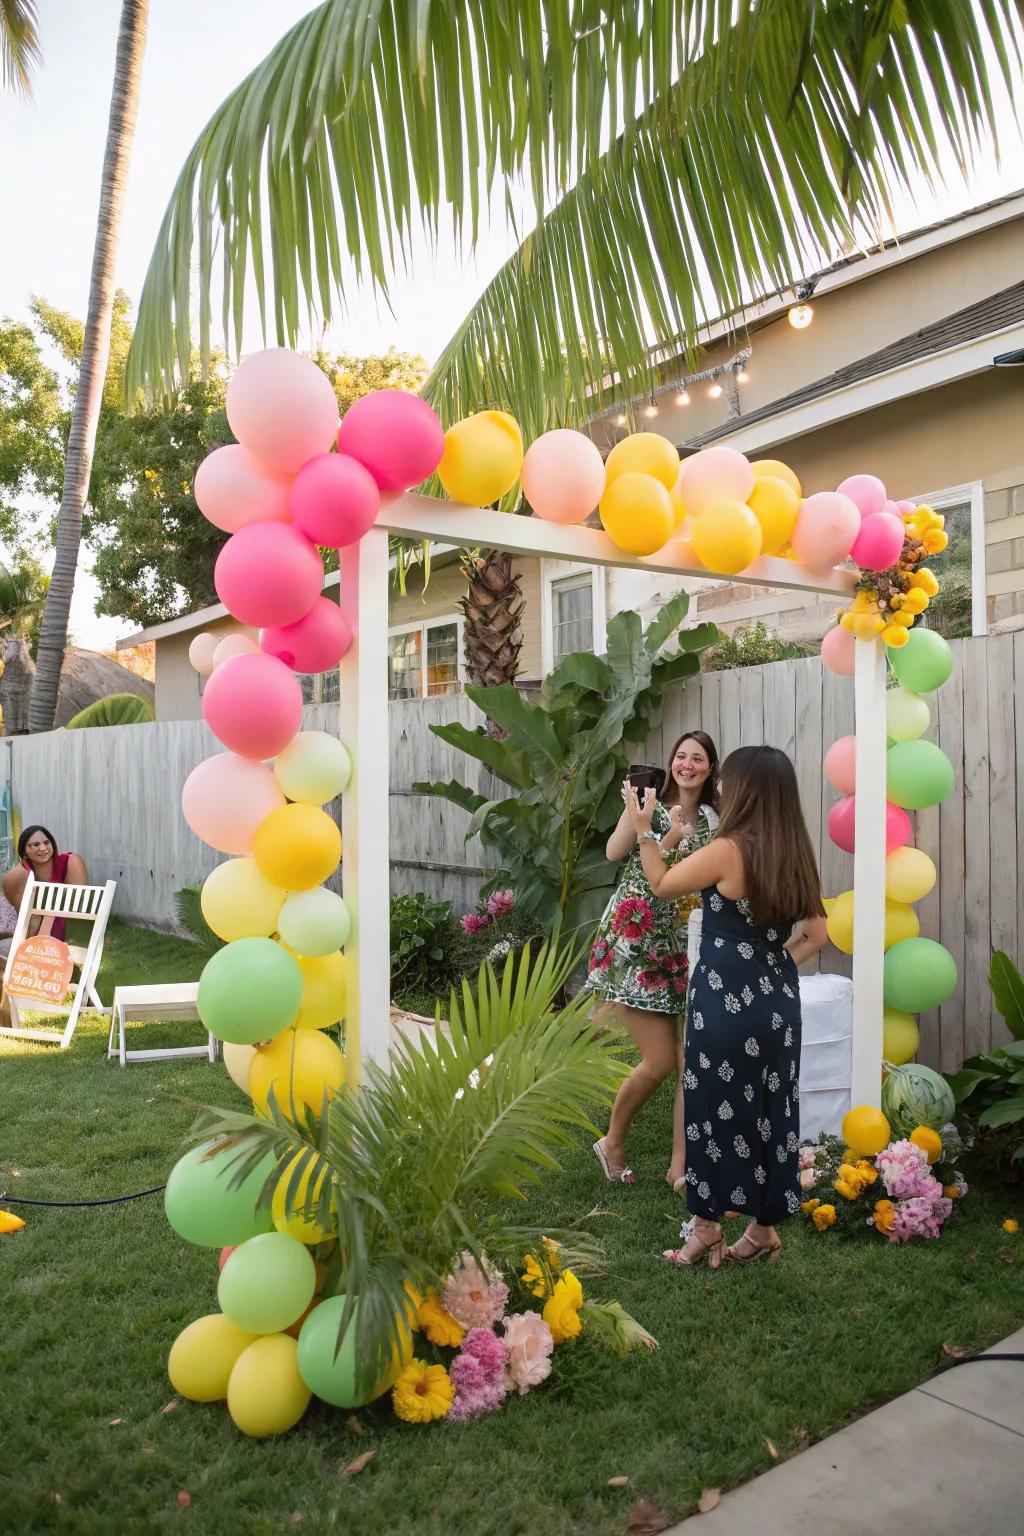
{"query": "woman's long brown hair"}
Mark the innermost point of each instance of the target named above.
(761, 814)
(709, 789)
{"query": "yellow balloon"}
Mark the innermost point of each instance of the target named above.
(239, 902)
(900, 1037)
(909, 875)
(643, 453)
(637, 514)
(266, 1394)
(297, 847)
(928, 1140)
(775, 504)
(726, 537)
(298, 1226)
(839, 922)
(866, 1130)
(300, 1066)
(678, 508)
(774, 469)
(901, 922)
(238, 1060)
(203, 1356)
(482, 459)
(324, 991)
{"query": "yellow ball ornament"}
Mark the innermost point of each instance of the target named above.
(301, 1227)
(324, 991)
(726, 537)
(909, 875)
(239, 902)
(203, 1356)
(482, 459)
(775, 504)
(774, 469)
(900, 1037)
(901, 922)
(643, 453)
(839, 922)
(637, 514)
(678, 509)
(266, 1394)
(297, 847)
(301, 1066)
(238, 1059)
(929, 1141)
(866, 1130)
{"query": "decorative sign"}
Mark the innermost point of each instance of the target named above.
(40, 969)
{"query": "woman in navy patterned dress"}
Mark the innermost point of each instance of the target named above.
(763, 917)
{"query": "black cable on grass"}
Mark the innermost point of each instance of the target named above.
(66, 1205)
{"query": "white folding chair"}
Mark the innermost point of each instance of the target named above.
(78, 903)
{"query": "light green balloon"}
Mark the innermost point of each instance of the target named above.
(924, 663)
(918, 975)
(907, 715)
(267, 1283)
(332, 1376)
(918, 773)
(314, 923)
(313, 768)
(249, 991)
(203, 1208)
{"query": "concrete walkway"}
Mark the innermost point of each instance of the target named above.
(945, 1459)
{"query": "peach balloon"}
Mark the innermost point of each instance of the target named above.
(841, 764)
(714, 475)
(316, 643)
(268, 574)
(201, 653)
(563, 476)
(226, 798)
(283, 408)
(232, 489)
(839, 651)
(253, 704)
(235, 644)
(865, 491)
(826, 527)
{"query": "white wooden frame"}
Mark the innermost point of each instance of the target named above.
(972, 492)
(81, 903)
(551, 573)
(364, 726)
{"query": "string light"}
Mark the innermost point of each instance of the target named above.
(682, 398)
(620, 420)
(715, 390)
(651, 410)
(800, 316)
(721, 379)
(742, 376)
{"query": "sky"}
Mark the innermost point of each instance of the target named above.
(51, 152)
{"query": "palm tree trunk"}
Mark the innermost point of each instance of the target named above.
(124, 106)
(493, 607)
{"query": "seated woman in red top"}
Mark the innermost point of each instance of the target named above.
(37, 851)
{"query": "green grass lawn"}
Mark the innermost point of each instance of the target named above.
(94, 1298)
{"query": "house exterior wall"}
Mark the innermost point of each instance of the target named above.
(447, 585)
(179, 694)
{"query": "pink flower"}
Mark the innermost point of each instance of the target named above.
(651, 981)
(478, 1374)
(475, 922)
(904, 1170)
(529, 1343)
(809, 1156)
(633, 917)
(475, 1299)
(500, 902)
(600, 955)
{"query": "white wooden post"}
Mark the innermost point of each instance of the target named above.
(869, 873)
(363, 717)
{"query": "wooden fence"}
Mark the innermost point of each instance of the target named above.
(114, 794)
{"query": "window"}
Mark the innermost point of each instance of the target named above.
(425, 660)
(573, 616)
(960, 607)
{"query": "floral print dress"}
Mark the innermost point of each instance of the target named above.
(639, 955)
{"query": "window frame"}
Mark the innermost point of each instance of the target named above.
(424, 625)
(551, 573)
(972, 491)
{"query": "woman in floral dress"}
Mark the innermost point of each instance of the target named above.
(638, 961)
(763, 917)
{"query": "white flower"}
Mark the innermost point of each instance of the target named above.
(765, 985)
(691, 1177)
(705, 1061)
(697, 1020)
(712, 1151)
(774, 1082)
(795, 1091)
(787, 1110)
(792, 1070)
(732, 1003)
(792, 1144)
(725, 1072)
(759, 1174)
(792, 1201)
(692, 1132)
(780, 1152)
(689, 1078)
(787, 1038)
(747, 996)
(707, 1127)
(715, 902)
(751, 1046)
(748, 1092)
(772, 936)
(714, 981)
(788, 989)
(741, 1147)
(704, 1190)
(738, 1196)
(743, 906)
(725, 1110)
(746, 950)
(765, 1127)
(777, 1021)
(719, 943)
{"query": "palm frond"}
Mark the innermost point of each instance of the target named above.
(20, 53)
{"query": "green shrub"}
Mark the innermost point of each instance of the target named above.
(115, 709)
(423, 936)
(989, 1089)
(752, 646)
(188, 906)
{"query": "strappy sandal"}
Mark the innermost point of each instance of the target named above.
(624, 1175)
(761, 1250)
(713, 1251)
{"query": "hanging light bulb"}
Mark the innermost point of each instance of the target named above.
(620, 420)
(651, 410)
(800, 316)
(742, 376)
(715, 390)
(682, 398)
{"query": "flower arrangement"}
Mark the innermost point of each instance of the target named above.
(489, 910)
(500, 1352)
(888, 602)
(907, 1190)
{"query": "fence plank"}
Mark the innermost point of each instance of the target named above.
(1002, 807)
(710, 700)
(948, 892)
(729, 704)
(780, 708)
(1018, 698)
(977, 955)
(751, 695)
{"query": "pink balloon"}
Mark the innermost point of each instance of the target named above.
(714, 474)
(865, 491)
(283, 408)
(879, 542)
(334, 500)
(563, 476)
(267, 574)
(225, 1254)
(316, 643)
(395, 435)
(841, 764)
(826, 527)
(232, 489)
(842, 818)
(897, 827)
(253, 704)
(904, 506)
(839, 651)
(225, 799)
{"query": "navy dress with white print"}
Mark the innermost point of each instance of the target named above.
(741, 1085)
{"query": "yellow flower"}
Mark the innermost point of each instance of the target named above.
(935, 541)
(867, 1171)
(895, 635)
(422, 1393)
(438, 1325)
(929, 1141)
(847, 1190)
(807, 1206)
(848, 622)
(534, 1278)
(915, 601)
(572, 1289)
(561, 1317)
(824, 1217)
(950, 1191)
(885, 1215)
(925, 581)
(551, 1258)
(1011, 1226)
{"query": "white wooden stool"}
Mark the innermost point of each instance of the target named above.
(174, 1000)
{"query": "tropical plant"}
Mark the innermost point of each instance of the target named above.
(989, 1088)
(124, 103)
(415, 1167)
(115, 709)
(564, 759)
(22, 595)
(188, 906)
(422, 933)
(20, 52)
(752, 646)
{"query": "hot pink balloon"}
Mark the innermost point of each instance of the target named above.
(316, 643)
(395, 435)
(225, 799)
(879, 543)
(334, 500)
(865, 491)
(842, 818)
(253, 704)
(826, 527)
(563, 476)
(839, 651)
(268, 574)
(897, 827)
(232, 489)
(283, 408)
(841, 764)
(714, 474)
